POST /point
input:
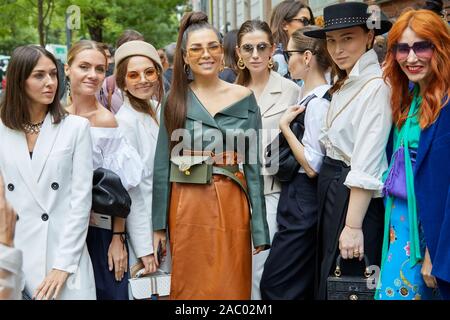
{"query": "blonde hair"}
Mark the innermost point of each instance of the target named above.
(85, 45)
(79, 47)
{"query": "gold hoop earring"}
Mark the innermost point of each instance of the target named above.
(222, 66)
(241, 64)
(270, 64)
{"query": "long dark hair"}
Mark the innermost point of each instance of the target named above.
(249, 26)
(139, 104)
(229, 50)
(175, 109)
(14, 107)
(283, 13)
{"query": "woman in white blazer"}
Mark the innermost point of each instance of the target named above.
(274, 95)
(45, 159)
(106, 240)
(138, 71)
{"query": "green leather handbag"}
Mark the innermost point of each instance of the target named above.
(191, 169)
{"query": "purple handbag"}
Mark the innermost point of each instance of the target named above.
(395, 184)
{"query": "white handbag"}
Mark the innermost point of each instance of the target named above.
(146, 286)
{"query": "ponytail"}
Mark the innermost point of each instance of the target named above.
(175, 110)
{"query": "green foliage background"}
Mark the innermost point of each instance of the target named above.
(156, 19)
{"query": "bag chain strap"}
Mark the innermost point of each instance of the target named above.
(329, 124)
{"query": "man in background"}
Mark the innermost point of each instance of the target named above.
(170, 54)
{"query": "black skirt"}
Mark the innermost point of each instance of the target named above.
(333, 198)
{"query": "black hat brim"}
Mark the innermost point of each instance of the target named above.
(321, 33)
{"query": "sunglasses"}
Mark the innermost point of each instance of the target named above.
(288, 53)
(150, 74)
(213, 49)
(303, 20)
(247, 49)
(422, 49)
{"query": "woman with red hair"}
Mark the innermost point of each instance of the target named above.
(416, 248)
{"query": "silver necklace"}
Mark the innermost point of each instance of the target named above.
(33, 128)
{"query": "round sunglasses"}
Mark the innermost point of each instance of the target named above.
(150, 74)
(247, 49)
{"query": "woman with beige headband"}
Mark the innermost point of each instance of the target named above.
(138, 73)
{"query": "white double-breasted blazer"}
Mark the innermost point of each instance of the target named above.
(52, 194)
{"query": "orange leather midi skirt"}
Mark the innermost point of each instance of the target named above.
(210, 241)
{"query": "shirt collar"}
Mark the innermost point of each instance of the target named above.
(363, 65)
(318, 91)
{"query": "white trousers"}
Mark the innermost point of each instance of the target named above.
(259, 259)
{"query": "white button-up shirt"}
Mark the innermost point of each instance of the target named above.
(314, 116)
(357, 125)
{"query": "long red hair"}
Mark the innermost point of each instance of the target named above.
(430, 26)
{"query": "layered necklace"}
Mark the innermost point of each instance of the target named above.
(33, 128)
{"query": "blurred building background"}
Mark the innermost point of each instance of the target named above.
(226, 15)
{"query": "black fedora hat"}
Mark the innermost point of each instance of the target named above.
(351, 14)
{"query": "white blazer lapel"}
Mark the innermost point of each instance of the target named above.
(44, 145)
(271, 94)
(16, 140)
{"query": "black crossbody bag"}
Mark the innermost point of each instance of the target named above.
(288, 166)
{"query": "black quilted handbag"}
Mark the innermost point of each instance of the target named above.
(342, 287)
(109, 197)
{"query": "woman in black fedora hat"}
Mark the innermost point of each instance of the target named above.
(354, 135)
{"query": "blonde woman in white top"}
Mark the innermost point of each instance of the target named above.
(107, 241)
(354, 135)
(274, 94)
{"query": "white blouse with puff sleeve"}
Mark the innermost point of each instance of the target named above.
(112, 151)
